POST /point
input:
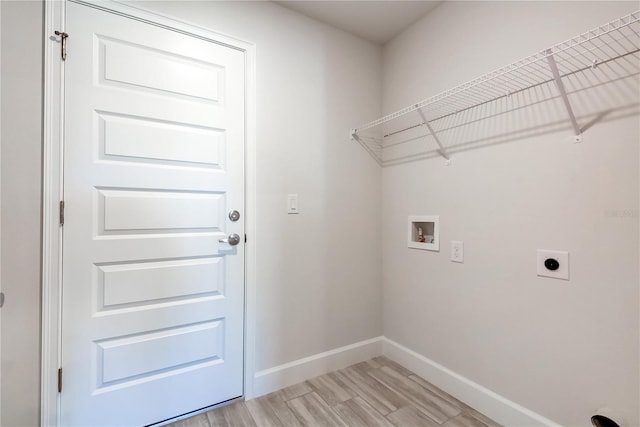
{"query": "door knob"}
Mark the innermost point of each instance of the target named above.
(233, 239)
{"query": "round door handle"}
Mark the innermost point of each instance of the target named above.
(233, 239)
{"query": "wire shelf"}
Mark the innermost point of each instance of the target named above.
(609, 52)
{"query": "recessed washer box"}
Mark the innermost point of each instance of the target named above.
(424, 232)
(553, 264)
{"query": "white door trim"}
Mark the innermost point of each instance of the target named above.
(53, 186)
(0, 219)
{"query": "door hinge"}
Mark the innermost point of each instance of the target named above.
(61, 212)
(63, 43)
(59, 380)
(245, 238)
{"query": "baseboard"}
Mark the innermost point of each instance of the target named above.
(496, 407)
(281, 376)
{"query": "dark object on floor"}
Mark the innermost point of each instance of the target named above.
(602, 421)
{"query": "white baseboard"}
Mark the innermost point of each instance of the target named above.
(300, 370)
(496, 407)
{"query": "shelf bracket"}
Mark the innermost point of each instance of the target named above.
(563, 95)
(356, 137)
(441, 150)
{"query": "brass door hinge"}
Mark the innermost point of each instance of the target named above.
(59, 380)
(61, 212)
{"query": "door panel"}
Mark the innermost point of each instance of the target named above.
(126, 284)
(131, 211)
(142, 139)
(124, 359)
(152, 323)
(129, 64)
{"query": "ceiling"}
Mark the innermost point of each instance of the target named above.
(377, 21)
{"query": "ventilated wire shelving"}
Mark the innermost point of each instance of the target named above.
(607, 53)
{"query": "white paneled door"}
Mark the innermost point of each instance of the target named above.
(153, 295)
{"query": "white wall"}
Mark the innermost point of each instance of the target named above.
(561, 349)
(21, 107)
(318, 273)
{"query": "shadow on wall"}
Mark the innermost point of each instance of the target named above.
(606, 92)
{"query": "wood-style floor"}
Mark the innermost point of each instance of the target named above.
(378, 392)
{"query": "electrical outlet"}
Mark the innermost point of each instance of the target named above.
(554, 264)
(457, 251)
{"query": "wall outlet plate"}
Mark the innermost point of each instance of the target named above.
(292, 204)
(457, 251)
(554, 264)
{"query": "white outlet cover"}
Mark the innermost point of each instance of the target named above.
(563, 259)
(457, 251)
(292, 204)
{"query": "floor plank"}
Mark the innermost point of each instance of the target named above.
(466, 409)
(367, 365)
(195, 421)
(435, 390)
(374, 392)
(313, 411)
(233, 415)
(433, 406)
(356, 412)
(332, 391)
(272, 411)
(294, 391)
(378, 392)
(464, 420)
(384, 361)
(411, 417)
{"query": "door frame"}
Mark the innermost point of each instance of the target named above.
(52, 188)
(1, 288)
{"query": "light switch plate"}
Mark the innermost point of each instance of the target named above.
(292, 204)
(562, 259)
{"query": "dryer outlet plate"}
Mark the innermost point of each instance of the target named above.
(562, 263)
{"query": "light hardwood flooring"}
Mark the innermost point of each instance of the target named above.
(377, 392)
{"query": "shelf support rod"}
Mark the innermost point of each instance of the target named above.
(563, 94)
(356, 137)
(442, 151)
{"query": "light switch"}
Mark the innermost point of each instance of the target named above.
(292, 204)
